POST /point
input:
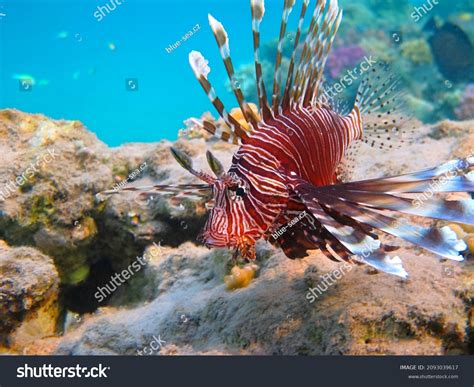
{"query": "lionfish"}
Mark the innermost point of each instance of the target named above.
(294, 156)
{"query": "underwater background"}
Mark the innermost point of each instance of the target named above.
(116, 66)
(92, 96)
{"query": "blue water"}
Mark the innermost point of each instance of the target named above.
(81, 65)
(87, 80)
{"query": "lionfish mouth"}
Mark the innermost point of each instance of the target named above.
(210, 241)
(245, 245)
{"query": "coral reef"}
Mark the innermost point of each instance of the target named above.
(417, 51)
(29, 306)
(421, 108)
(375, 14)
(56, 209)
(465, 111)
(193, 128)
(182, 292)
(361, 314)
(344, 57)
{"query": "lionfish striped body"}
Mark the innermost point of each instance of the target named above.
(294, 159)
(306, 142)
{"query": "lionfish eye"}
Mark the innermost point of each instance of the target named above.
(237, 193)
(240, 191)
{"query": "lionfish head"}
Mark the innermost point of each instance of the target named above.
(229, 223)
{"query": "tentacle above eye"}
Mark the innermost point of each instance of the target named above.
(187, 163)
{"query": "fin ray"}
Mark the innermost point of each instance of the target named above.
(201, 70)
(222, 40)
(258, 11)
(287, 8)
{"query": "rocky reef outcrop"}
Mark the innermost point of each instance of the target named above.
(63, 246)
(363, 313)
(49, 178)
(29, 289)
